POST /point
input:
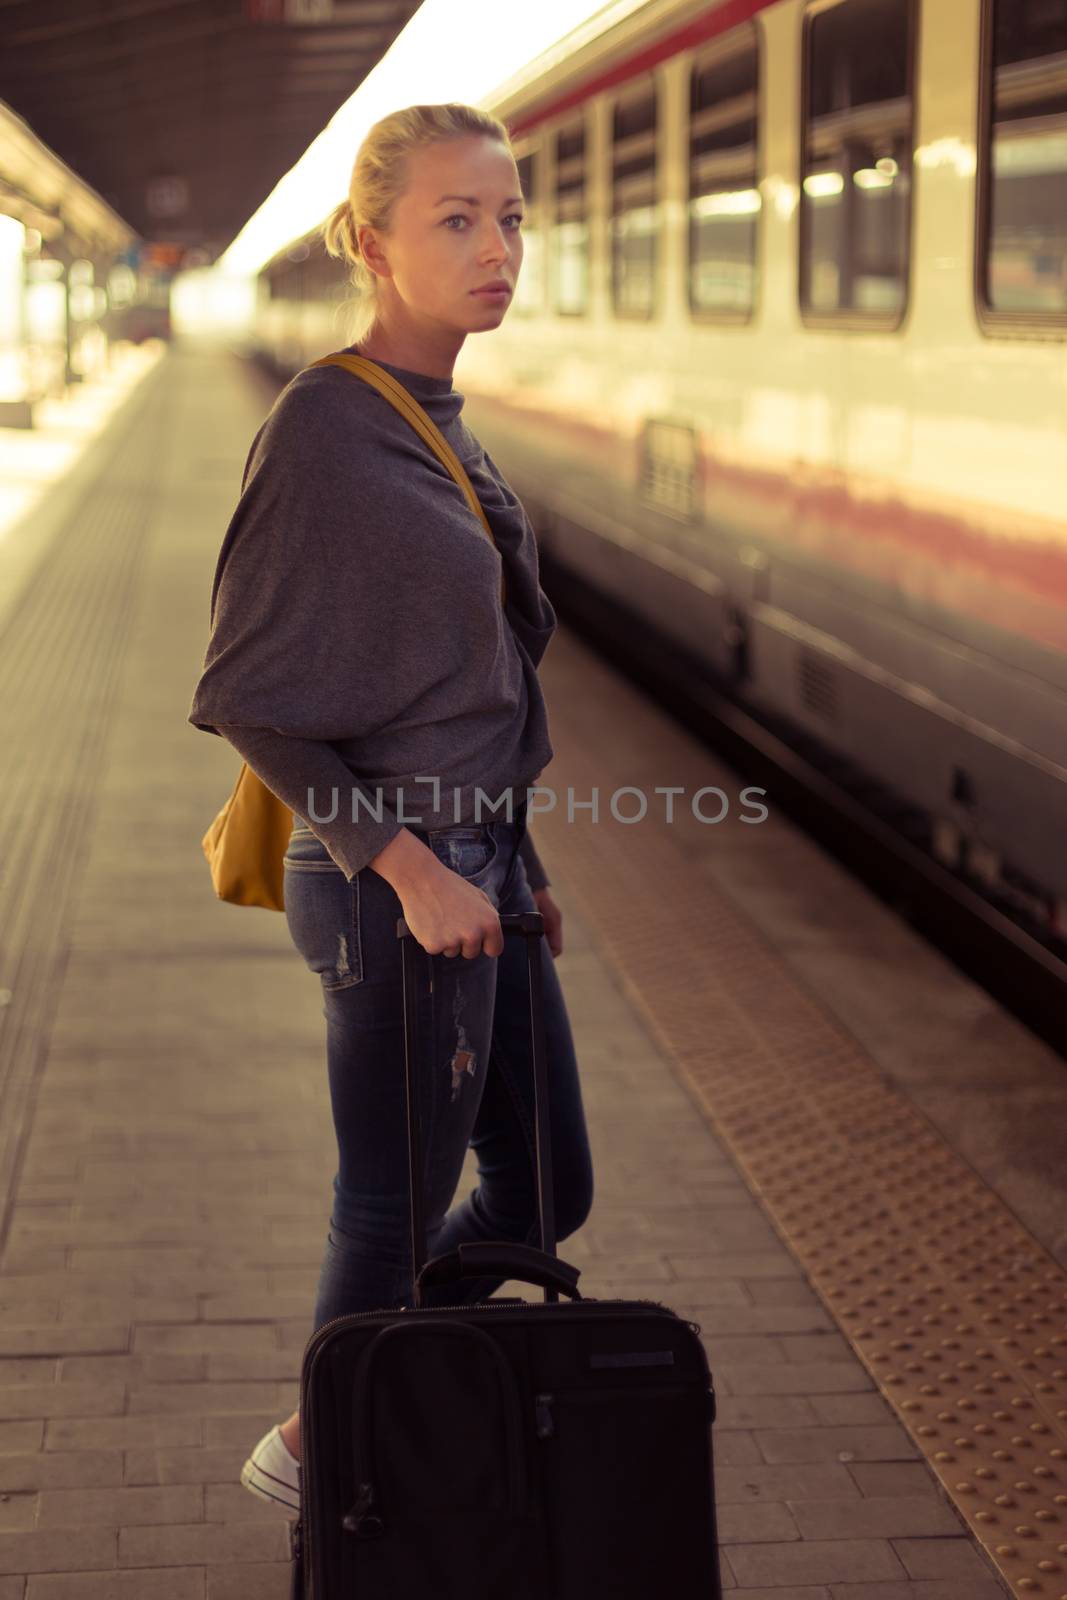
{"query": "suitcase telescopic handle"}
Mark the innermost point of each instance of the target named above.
(520, 1262)
(531, 925)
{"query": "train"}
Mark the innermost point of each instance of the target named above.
(784, 377)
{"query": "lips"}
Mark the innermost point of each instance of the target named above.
(493, 288)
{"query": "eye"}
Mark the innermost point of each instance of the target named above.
(458, 216)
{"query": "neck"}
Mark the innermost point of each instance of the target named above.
(434, 357)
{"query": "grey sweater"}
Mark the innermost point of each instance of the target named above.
(358, 643)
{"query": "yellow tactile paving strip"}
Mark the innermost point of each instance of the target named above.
(955, 1309)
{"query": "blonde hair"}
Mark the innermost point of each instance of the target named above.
(379, 178)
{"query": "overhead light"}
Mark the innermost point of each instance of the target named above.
(727, 203)
(461, 50)
(821, 185)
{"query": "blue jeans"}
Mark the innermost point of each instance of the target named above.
(475, 1073)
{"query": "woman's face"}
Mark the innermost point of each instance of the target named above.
(440, 250)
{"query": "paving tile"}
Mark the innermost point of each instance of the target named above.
(814, 1347)
(136, 1258)
(294, 1280)
(29, 1369)
(167, 1583)
(762, 1412)
(624, 1269)
(734, 1448)
(244, 1430)
(276, 1365)
(743, 1264)
(121, 1507)
(795, 1377)
(62, 1400)
(735, 1228)
(889, 1517)
(753, 1481)
(57, 1550)
(59, 1469)
(133, 1234)
(831, 1561)
(203, 1543)
(25, 1312)
(851, 1410)
(941, 1558)
(231, 1502)
(738, 1347)
(789, 1289)
(122, 1433)
(778, 1593)
(210, 1337)
(128, 1310)
(894, 1477)
(264, 1306)
(989, 1588)
(59, 1339)
(708, 1296)
(20, 1437)
(26, 1263)
(200, 1464)
(294, 1336)
(140, 1369)
(265, 1582)
(890, 1443)
(17, 1512)
(765, 1521)
(207, 1399)
(747, 1318)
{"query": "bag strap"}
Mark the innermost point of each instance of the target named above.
(424, 425)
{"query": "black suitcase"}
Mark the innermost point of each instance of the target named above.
(505, 1450)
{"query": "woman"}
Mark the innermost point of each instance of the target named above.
(362, 662)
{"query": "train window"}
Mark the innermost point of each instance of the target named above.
(530, 287)
(634, 212)
(724, 197)
(570, 230)
(1023, 186)
(856, 168)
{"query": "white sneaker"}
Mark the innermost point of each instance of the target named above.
(273, 1472)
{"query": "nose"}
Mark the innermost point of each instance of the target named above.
(499, 244)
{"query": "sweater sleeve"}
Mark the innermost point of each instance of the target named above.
(307, 577)
(536, 876)
(304, 773)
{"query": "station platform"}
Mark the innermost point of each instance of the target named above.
(810, 1134)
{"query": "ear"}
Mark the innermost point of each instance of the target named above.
(371, 252)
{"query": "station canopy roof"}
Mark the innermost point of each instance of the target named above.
(184, 114)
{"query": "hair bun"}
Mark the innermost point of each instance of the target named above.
(339, 232)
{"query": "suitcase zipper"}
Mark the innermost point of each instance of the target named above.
(367, 1523)
(364, 1522)
(543, 1415)
(545, 1423)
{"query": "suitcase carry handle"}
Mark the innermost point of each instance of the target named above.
(518, 1261)
(531, 925)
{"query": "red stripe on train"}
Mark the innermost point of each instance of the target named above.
(718, 20)
(970, 566)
